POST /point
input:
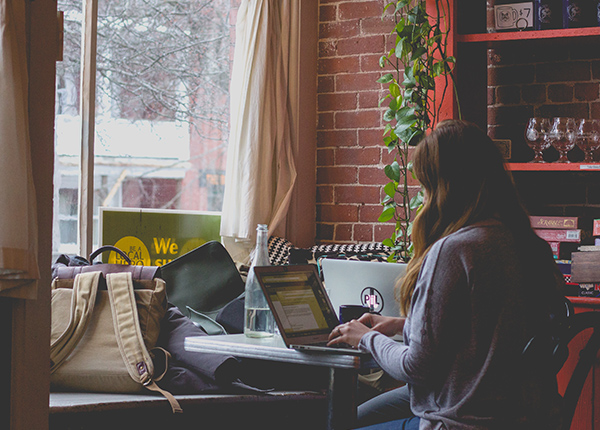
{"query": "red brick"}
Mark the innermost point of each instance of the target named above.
(338, 30)
(575, 110)
(357, 81)
(372, 176)
(324, 232)
(363, 232)
(596, 70)
(375, 25)
(360, 9)
(360, 45)
(564, 72)
(331, 138)
(325, 157)
(325, 194)
(370, 63)
(327, 13)
(333, 65)
(343, 232)
(357, 156)
(511, 75)
(586, 91)
(326, 84)
(356, 194)
(325, 121)
(534, 94)
(370, 137)
(508, 95)
(491, 96)
(369, 213)
(337, 102)
(327, 48)
(337, 213)
(508, 114)
(368, 100)
(560, 93)
(336, 175)
(383, 231)
(595, 110)
(359, 119)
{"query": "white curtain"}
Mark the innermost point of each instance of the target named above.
(18, 222)
(260, 167)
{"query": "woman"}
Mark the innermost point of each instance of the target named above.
(479, 285)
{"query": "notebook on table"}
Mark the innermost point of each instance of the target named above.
(301, 308)
(366, 283)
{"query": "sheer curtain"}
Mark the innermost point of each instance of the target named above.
(261, 172)
(18, 226)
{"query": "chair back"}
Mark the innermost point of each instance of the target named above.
(587, 356)
(554, 343)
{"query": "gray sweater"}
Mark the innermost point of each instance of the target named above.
(463, 339)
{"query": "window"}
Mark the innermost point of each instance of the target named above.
(160, 107)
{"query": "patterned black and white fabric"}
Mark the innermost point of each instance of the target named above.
(279, 249)
(372, 251)
(282, 251)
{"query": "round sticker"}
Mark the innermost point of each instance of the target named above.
(372, 298)
(135, 250)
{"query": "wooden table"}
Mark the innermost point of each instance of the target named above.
(343, 369)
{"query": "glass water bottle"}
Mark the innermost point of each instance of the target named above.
(258, 318)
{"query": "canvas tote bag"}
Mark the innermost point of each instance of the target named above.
(101, 338)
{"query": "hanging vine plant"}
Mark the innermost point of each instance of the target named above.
(412, 104)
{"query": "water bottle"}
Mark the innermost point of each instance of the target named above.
(258, 318)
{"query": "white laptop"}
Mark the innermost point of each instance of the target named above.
(366, 283)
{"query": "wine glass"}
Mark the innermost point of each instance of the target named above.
(562, 137)
(536, 135)
(588, 138)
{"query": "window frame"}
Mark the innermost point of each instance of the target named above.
(301, 219)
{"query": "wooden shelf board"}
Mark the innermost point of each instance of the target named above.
(552, 167)
(585, 301)
(528, 35)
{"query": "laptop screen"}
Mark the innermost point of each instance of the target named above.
(298, 300)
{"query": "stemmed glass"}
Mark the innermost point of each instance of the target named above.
(536, 135)
(588, 138)
(562, 137)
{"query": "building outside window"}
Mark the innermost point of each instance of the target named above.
(161, 108)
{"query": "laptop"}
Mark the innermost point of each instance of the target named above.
(366, 283)
(301, 308)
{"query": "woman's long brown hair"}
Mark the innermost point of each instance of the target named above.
(464, 180)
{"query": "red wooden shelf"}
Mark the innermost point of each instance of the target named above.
(552, 167)
(585, 301)
(528, 35)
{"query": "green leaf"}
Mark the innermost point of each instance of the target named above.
(392, 171)
(387, 242)
(389, 115)
(418, 53)
(416, 201)
(390, 189)
(388, 77)
(383, 99)
(394, 89)
(387, 215)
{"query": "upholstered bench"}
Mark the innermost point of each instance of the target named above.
(277, 410)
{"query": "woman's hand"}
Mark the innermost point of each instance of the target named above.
(349, 333)
(389, 326)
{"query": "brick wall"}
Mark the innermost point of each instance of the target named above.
(350, 153)
(551, 79)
